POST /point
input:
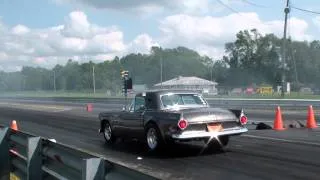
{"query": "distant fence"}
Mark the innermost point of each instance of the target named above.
(24, 156)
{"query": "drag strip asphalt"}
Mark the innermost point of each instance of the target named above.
(264, 154)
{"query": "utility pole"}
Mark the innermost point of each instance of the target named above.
(54, 80)
(161, 70)
(284, 55)
(295, 66)
(211, 71)
(93, 80)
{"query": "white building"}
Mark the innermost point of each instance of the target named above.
(189, 83)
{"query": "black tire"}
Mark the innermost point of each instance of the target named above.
(109, 135)
(153, 137)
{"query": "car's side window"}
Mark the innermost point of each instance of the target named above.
(139, 104)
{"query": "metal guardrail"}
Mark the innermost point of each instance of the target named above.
(25, 156)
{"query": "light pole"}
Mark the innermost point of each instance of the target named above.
(212, 71)
(93, 80)
(54, 80)
(161, 66)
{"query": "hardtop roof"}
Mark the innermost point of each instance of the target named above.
(161, 92)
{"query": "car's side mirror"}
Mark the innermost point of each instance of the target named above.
(141, 108)
(124, 108)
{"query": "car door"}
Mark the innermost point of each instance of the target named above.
(132, 120)
(119, 120)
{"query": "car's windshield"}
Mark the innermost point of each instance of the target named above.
(182, 100)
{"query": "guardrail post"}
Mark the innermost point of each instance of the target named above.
(34, 158)
(93, 169)
(4, 154)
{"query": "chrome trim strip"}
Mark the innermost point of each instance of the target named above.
(202, 134)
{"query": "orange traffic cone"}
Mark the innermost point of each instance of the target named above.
(278, 123)
(311, 121)
(14, 125)
(89, 107)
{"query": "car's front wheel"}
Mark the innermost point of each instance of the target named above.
(108, 133)
(153, 137)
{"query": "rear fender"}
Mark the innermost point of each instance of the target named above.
(160, 121)
(237, 112)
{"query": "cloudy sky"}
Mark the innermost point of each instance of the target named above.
(48, 32)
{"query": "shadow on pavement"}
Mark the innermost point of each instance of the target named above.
(177, 150)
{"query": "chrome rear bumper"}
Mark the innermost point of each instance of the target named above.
(205, 134)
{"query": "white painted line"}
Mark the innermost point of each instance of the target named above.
(259, 121)
(280, 139)
(53, 140)
(62, 110)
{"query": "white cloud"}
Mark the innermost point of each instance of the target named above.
(76, 25)
(142, 44)
(3, 56)
(150, 7)
(79, 39)
(316, 21)
(75, 39)
(208, 34)
(20, 30)
(299, 28)
(128, 6)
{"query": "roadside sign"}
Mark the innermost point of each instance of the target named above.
(13, 176)
(265, 90)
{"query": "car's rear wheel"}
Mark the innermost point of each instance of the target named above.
(108, 133)
(153, 137)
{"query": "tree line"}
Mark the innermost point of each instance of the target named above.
(252, 59)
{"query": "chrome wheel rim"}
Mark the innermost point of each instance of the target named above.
(107, 132)
(152, 138)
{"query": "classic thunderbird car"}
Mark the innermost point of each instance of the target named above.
(165, 116)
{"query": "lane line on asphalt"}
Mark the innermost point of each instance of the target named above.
(259, 121)
(53, 108)
(280, 139)
(62, 110)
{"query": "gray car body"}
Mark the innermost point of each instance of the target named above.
(131, 123)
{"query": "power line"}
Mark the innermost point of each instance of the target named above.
(228, 7)
(305, 10)
(254, 4)
(237, 12)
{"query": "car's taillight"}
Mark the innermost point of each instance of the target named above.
(243, 119)
(183, 124)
